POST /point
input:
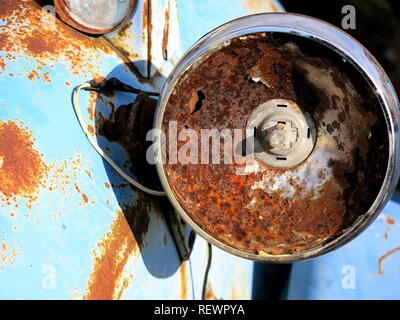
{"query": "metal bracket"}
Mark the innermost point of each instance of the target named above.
(184, 236)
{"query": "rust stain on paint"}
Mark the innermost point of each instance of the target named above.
(91, 129)
(85, 199)
(233, 292)
(183, 276)
(2, 64)
(209, 294)
(33, 75)
(22, 169)
(27, 32)
(383, 257)
(46, 77)
(62, 173)
(88, 173)
(164, 44)
(23, 172)
(7, 255)
(91, 109)
(147, 25)
(123, 41)
(389, 220)
(115, 249)
(110, 275)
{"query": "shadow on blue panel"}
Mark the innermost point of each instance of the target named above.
(122, 123)
(270, 281)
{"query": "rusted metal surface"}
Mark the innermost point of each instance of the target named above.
(44, 183)
(82, 216)
(106, 280)
(26, 31)
(277, 211)
(111, 274)
(16, 152)
(158, 33)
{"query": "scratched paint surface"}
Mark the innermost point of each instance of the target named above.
(70, 228)
(372, 258)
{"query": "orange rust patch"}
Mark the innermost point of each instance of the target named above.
(389, 220)
(39, 46)
(33, 75)
(99, 79)
(2, 64)
(264, 67)
(7, 255)
(183, 274)
(83, 195)
(148, 26)
(115, 249)
(123, 42)
(124, 32)
(91, 129)
(8, 6)
(92, 105)
(164, 43)
(209, 294)
(234, 295)
(28, 32)
(108, 280)
(22, 169)
(383, 257)
(62, 172)
(46, 77)
(107, 185)
(90, 112)
(88, 173)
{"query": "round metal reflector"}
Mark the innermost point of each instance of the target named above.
(284, 135)
(94, 16)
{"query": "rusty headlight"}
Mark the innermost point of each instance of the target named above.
(94, 16)
(319, 177)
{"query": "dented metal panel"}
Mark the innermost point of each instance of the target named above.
(70, 226)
